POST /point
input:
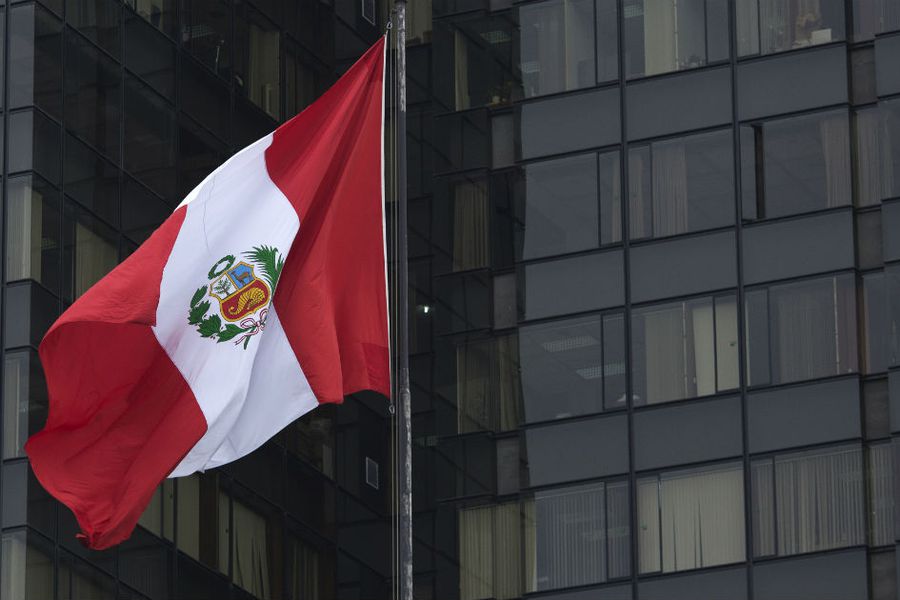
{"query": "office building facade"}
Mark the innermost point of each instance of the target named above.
(654, 295)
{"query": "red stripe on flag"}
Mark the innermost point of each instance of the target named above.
(331, 296)
(121, 415)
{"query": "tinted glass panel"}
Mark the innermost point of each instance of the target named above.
(691, 519)
(875, 320)
(557, 45)
(99, 21)
(35, 59)
(33, 231)
(159, 13)
(150, 138)
(766, 26)
(877, 133)
(808, 501)
(795, 165)
(206, 33)
(681, 185)
(569, 123)
(871, 17)
(150, 55)
(556, 453)
(93, 97)
(565, 370)
(684, 349)
(488, 392)
(258, 61)
(802, 330)
(670, 35)
(571, 285)
(461, 221)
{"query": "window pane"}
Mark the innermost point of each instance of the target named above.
(490, 542)
(96, 252)
(27, 570)
(766, 26)
(810, 331)
(150, 55)
(578, 536)
(199, 518)
(35, 57)
(159, 13)
(469, 245)
(149, 138)
(560, 208)
(250, 546)
(259, 60)
(32, 231)
(487, 385)
(304, 79)
(671, 35)
(682, 185)
(880, 470)
(475, 55)
(684, 349)
(562, 369)
(817, 504)
(77, 579)
(877, 134)
(875, 319)
(557, 46)
(801, 164)
(97, 20)
(610, 198)
(305, 581)
(691, 519)
(93, 96)
(206, 33)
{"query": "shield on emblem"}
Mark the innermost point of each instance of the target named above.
(239, 292)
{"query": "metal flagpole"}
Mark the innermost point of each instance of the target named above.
(405, 420)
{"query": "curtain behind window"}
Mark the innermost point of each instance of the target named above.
(660, 47)
(875, 175)
(488, 386)
(815, 501)
(15, 403)
(94, 258)
(304, 571)
(470, 225)
(250, 552)
(834, 131)
(696, 519)
(23, 230)
(669, 188)
(881, 494)
(490, 541)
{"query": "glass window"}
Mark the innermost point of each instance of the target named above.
(801, 330)
(680, 185)
(671, 35)
(312, 438)
(557, 46)
(477, 54)
(33, 231)
(691, 519)
(206, 33)
(490, 542)
(461, 229)
(307, 579)
(795, 165)
(684, 349)
(252, 560)
(577, 536)
(558, 205)
(572, 367)
(199, 153)
(488, 391)
(150, 55)
(198, 510)
(27, 567)
(808, 501)
(93, 249)
(880, 479)
(35, 59)
(871, 17)
(98, 20)
(875, 321)
(149, 138)
(36, 143)
(159, 13)
(570, 285)
(91, 180)
(158, 517)
(143, 211)
(877, 133)
(304, 79)
(205, 98)
(93, 96)
(767, 26)
(24, 400)
(462, 141)
(77, 579)
(259, 62)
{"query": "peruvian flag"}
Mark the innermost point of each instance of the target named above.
(263, 295)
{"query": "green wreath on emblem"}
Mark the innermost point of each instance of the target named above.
(270, 264)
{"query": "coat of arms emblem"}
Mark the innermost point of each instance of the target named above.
(243, 291)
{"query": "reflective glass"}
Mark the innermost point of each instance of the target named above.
(671, 35)
(691, 519)
(150, 55)
(795, 165)
(880, 488)
(149, 138)
(159, 13)
(681, 185)
(206, 33)
(488, 391)
(259, 61)
(684, 349)
(99, 21)
(476, 57)
(871, 17)
(26, 570)
(93, 97)
(91, 180)
(93, 250)
(802, 330)
(875, 322)
(565, 370)
(767, 26)
(304, 79)
(577, 536)
(490, 546)
(78, 579)
(808, 502)
(461, 220)
(35, 59)
(877, 131)
(557, 46)
(24, 400)
(33, 231)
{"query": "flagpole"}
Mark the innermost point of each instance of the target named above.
(405, 420)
